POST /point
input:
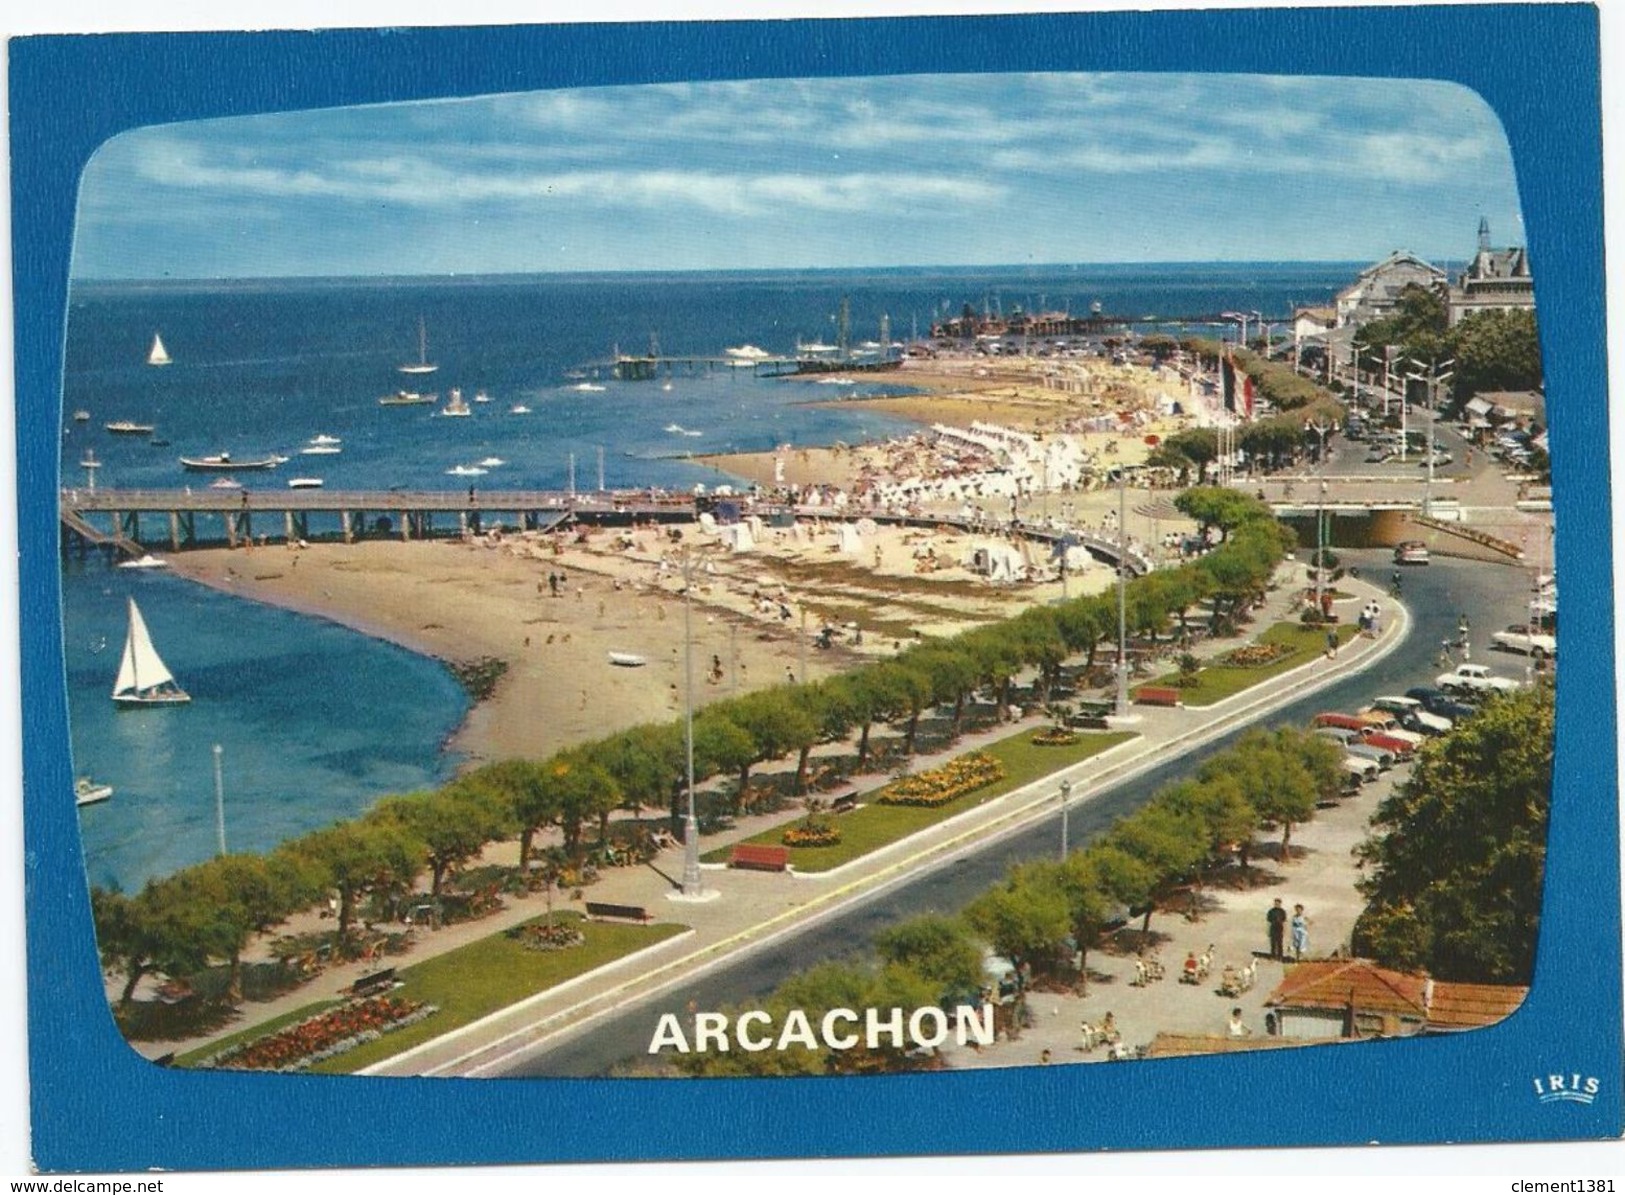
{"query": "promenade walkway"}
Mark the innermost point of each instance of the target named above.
(753, 909)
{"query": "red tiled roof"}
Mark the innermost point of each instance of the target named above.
(1472, 1005)
(1336, 983)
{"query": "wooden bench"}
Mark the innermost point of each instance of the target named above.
(375, 984)
(1090, 716)
(598, 908)
(760, 857)
(845, 803)
(1156, 695)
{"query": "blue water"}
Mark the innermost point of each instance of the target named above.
(317, 722)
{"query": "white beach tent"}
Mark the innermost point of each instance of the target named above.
(738, 538)
(997, 562)
(848, 542)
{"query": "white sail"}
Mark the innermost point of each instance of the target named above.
(423, 364)
(141, 670)
(159, 355)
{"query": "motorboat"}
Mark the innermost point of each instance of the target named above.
(627, 659)
(87, 792)
(224, 460)
(304, 483)
(519, 408)
(406, 398)
(465, 471)
(481, 396)
(589, 387)
(455, 406)
(146, 561)
(128, 427)
(81, 416)
(320, 450)
(143, 678)
(492, 462)
(322, 440)
(226, 483)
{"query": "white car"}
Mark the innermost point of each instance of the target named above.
(1408, 709)
(1520, 639)
(1475, 678)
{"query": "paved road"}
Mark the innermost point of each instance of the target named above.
(1490, 595)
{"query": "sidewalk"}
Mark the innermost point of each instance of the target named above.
(756, 908)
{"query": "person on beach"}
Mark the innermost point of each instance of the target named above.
(1276, 919)
(1300, 933)
(1238, 1027)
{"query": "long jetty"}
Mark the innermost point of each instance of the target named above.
(133, 521)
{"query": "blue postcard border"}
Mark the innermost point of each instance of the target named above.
(96, 1106)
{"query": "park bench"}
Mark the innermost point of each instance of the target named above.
(760, 858)
(598, 908)
(845, 803)
(1156, 695)
(374, 984)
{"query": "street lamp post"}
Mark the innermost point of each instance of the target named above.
(1322, 430)
(219, 800)
(1122, 592)
(693, 887)
(1438, 371)
(1066, 791)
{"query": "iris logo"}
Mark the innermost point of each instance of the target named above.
(1581, 1089)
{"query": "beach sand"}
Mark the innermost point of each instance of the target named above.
(461, 601)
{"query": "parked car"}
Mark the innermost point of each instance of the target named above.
(1402, 747)
(1436, 701)
(1389, 724)
(1475, 678)
(1356, 747)
(1520, 638)
(1412, 551)
(1410, 708)
(1362, 768)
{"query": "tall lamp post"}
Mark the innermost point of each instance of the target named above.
(1121, 706)
(1438, 371)
(693, 886)
(1066, 791)
(1321, 430)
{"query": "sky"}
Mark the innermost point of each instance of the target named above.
(814, 173)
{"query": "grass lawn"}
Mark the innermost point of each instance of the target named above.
(472, 981)
(1216, 681)
(873, 825)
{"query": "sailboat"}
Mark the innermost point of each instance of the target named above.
(422, 365)
(142, 677)
(159, 355)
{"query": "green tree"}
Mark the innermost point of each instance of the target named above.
(528, 792)
(1170, 842)
(1026, 918)
(1495, 350)
(777, 724)
(1455, 866)
(936, 948)
(360, 857)
(453, 824)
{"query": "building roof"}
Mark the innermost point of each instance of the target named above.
(1337, 983)
(1514, 400)
(1472, 1005)
(1323, 314)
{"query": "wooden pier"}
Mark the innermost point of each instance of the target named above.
(133, 521)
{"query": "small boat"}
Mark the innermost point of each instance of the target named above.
(675, 429)
(158, 355)
(226, 483)
(146, 561)
(519, 408)
(627, 659)
(304, 483)
(492, 462)
(223, 460)
(406, 398)
(455, 405)
(126, 427)
(666, 386)
(322, 440)
(81, 416)
(143, 678)
(422, 365)
(320, 450)
(589, 387)
(158, 442)
(465, 471)
(87, 792)
(481, 396)
(746, 354)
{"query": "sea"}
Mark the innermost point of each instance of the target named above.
(316, 722)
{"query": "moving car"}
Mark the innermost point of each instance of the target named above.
(1412, 551)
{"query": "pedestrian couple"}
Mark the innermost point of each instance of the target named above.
(1277, 921)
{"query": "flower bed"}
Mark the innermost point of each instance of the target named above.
(814, 834)
(941, 785)
(541, 936)
(1255, 655)
(1054, 736)
(322, 1036)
